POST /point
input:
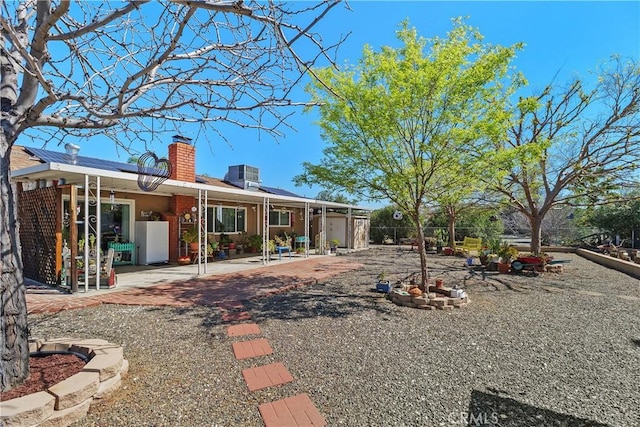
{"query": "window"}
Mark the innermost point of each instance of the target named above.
(116, 220)
(280, 218)
(221, 219)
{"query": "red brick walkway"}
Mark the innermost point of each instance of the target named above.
(292, 411)
(221, 290)
(226, 292)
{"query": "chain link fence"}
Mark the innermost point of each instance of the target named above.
(561, 236)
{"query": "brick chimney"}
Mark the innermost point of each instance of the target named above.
(182, 155)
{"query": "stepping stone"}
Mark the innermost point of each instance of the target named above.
(230, 305)
(243, 329)
(266, 376)
(236, 316)
(252, 348)
(290, 412)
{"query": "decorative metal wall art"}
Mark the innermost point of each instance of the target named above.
(152, 171)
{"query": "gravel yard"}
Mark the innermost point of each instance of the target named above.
(557, 349)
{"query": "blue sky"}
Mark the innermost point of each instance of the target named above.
(563, 39)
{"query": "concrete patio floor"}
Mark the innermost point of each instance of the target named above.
(225, 283)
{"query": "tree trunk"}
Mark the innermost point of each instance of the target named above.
(14, 369)
(452, 231)
(451, 216)
(424, 274)
(536, 234)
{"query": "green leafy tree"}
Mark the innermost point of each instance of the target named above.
(619, 218)
(401, 115)
(78, 69)
(476, 221)
(335, 197)
(578, 145)
(384, 224)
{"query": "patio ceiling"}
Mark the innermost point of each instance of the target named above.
(128, 182)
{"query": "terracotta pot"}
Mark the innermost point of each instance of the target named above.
(503, 267)
(193, 246)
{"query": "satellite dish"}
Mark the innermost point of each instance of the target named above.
(397, 215)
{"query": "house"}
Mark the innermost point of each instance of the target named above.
(69, 204)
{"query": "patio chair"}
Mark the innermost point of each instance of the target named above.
(108, 275)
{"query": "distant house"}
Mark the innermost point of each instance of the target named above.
(71, 204)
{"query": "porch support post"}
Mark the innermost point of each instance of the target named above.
(73, 236)
(98, 232)
(367, 234)
(349, 229)
(60, 264)
(266, 256)
(306, 229)
(323, 230)
(199, 227)
(86, 233)
(206, 230)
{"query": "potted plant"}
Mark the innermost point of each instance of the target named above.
(430, 244)
(254, 243)
(333, 245)
(383, 285)
(190, 237)
(507, 253)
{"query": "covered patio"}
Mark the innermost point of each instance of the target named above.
(64, 199)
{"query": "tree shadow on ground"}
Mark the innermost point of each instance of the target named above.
(318, 303)
(636, 342)
(493, 409)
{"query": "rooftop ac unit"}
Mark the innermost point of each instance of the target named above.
(243, 176)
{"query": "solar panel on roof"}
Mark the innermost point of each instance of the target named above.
(49, 156)
(278, 191)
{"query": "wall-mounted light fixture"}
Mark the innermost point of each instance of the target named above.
(112, 197)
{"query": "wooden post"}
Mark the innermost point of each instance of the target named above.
(59, 243)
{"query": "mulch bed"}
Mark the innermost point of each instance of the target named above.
(46, 371)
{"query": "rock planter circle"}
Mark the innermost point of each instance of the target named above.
(69, 400)
(438, 298)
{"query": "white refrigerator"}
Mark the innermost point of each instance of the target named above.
(152, 241)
